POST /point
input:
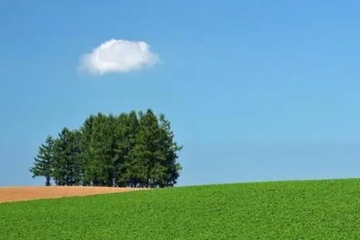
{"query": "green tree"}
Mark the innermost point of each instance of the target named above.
(170, 148)
(43, 165)
(152, 160)
(101, 169)
(152, 154)
(135, 149)
(87, 166)
(67, 158)
(125, 126)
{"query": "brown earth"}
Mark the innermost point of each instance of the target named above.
(13, 194)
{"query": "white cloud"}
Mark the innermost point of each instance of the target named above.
(118, 56)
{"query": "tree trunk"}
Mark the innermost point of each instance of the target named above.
(47, 183)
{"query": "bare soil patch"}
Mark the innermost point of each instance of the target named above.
(14, 194)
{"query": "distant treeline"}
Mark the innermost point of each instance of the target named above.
(135, 149)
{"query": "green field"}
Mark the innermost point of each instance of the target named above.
(326, 209)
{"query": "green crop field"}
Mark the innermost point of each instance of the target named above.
(326, 209)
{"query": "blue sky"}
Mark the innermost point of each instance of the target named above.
(255, 90)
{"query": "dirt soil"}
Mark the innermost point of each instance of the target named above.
(13, 194)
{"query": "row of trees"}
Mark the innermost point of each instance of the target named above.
(135, 149)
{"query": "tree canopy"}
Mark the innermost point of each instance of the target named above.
(135, 149)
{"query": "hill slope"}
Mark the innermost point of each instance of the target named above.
(15, 194)
(275, 210)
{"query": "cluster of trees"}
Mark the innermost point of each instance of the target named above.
(135, 149)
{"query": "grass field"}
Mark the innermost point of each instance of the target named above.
(326, 209)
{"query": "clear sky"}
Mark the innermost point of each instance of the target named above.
(255, 90)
